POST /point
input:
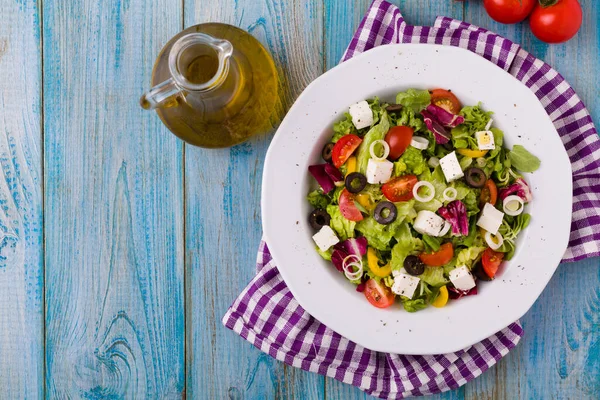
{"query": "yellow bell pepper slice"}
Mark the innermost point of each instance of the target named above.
(373, 261)
(351, 165)
(365, 201)
(442, 299)
(472, 153)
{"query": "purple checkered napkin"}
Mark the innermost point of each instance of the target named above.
(269, 317)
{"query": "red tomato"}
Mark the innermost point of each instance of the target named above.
(508, 11)
(489, 193)
(400, 188)
(378, 294)
(440, 257)
(344, 148)
(491, 260)
(348, 208)
(445, 99)
(399, 138)
(558, 22)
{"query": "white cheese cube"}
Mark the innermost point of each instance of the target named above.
(428, 223)
(361, 114)
(451, 167)
(379, 172)
(461, 278)
(490, 219)
(325, 238)
(405, 285)
(485, 140)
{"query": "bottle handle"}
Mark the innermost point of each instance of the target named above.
(160, 95)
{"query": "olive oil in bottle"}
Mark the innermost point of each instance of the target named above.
(215, 85)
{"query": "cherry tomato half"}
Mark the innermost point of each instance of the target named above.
(557, 22)
(348, 208)
(378, 294)
(491, 260)
(489, 193)
(446, 100)
(400, 188)
(399, 138)
(440, 257)
(508, 11)
(344, 148)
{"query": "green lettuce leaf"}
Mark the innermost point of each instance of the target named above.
(433, 276)
(414, 99)
(343, 127)
(468, 256)
(377, 132)
(318, 199)
(325, 254)
(378, 235)
(523, 160)
(411, 162)
(414, 305)
(406, 244)
(343, 227)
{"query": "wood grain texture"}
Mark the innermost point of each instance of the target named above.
(223, 226)
(21, 233)
(114, 195)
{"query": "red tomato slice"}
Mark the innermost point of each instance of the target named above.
(446, 100)
(378, 294)
(489, 193)
(491, 260)
(399, 138)
(348, 208)
(440, 257)
(344, 148)
(400, 188)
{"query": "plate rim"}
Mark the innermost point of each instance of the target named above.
(564, 237)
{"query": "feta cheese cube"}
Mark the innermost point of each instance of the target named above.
(428, 223)
(461, 278)
(379, 172)
(490, 219)
(405, 285)
(451, 167)
(325, 238)
(485, 140)
(361, 114)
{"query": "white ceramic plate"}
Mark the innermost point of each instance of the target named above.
(324, 292)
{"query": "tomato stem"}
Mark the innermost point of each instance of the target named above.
(547, 3)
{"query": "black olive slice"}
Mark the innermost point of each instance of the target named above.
(393, 108)
(319, 218)
(413, 265)
(475, 177)
(385, 213)
(327, 150)
(355, 182)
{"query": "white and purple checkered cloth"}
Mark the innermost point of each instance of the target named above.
(266, 314)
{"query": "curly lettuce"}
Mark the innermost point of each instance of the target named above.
(414, 99)
(343, 228)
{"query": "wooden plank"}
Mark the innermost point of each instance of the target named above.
(559, 355)
(223, 214)
(114, 196)
(21, 233)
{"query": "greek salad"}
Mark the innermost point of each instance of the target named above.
(420, 200)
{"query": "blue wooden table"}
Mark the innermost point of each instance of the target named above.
(121, 247)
